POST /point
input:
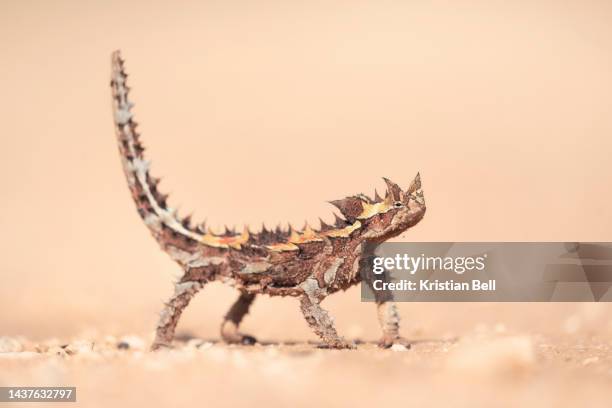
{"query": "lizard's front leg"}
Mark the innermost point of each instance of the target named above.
(389, 319)
(170, 315)
(321, 323)
(229, 327)
(388, 316)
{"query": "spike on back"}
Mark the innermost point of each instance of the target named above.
(229, 231)
(393, 189)
(324, 226)
(377, 197)
(415, 185)
(350, 207)
(187, 222)
(339, 222)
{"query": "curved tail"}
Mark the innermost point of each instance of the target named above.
(165, 225)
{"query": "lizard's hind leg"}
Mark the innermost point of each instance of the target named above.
(231, 322)
(170, 315)
(321, 323)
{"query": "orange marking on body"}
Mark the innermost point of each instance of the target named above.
(309, 235)
(235, 242)
(370, 210)
(343, 232)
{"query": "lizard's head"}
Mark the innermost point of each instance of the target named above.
(381, 219)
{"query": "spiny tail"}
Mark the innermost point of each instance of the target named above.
(165, 225)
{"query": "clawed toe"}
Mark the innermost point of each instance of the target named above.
(340, 345)
(160, 346)
(388, 342)
(248, 340)
(237, 338)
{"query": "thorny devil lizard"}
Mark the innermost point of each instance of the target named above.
(309, 264)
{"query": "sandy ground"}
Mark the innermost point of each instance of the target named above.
(565, 360)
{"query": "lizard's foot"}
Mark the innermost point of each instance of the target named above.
(239, 338)
(231, 335)
(389, 341)
(340, 344)
(158, 345)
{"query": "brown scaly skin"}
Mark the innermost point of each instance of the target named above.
(308, 264)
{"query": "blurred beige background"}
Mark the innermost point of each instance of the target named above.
(262, 111)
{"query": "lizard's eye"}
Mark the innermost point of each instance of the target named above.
(398, 204)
